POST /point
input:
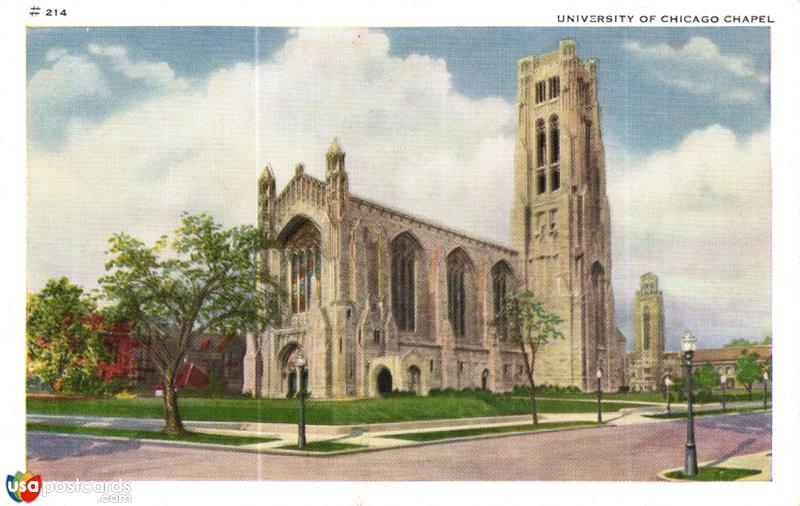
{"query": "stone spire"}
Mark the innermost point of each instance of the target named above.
(335, 157)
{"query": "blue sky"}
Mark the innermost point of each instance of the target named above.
(685, 124)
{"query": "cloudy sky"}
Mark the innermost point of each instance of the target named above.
(128, 127)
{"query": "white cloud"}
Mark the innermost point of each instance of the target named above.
(158, 75)
(69, 77)
(411, 141)
(700, 67)
(697, 215)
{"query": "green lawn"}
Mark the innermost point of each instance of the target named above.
(714, 474)
(477, 431)
(323, 446)
(708, 412)
(193, 437)
(320, 412)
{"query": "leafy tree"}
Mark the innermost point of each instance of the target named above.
(63, 337)
(739, 343)
(748, 370)
(767, 340)
(531, 325)
(706, 377)
(678, 387)
(206, 279)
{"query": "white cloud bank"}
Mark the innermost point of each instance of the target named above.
(699, 67)
(411, 141)
(699, 216)
(158, 75)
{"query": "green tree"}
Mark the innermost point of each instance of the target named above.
(748, 370)
(63, 337)
(532, 326)
(706, 378)
(206, 279)
(739, 343)
(767, 340)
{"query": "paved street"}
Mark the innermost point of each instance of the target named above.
(626, 452)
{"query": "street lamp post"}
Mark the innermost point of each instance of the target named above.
(688, 345)
(599, 396)
(301, 395)
(667, 385)
(766, 379)
(724, 380)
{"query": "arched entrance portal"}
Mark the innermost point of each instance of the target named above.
(414, 379)
(485, 379)
(384, 382)
(288, 360)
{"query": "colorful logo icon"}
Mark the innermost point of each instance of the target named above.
(24, 487)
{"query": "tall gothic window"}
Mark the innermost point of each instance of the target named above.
(457, 266)
(555, 153)
(541, 143)
(500, 280)
(646, 328)
(404, 250)
(303, 254)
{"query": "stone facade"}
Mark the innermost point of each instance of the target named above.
(645, 366)
(378, 299)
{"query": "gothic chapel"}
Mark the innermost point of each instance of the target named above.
(380, 300)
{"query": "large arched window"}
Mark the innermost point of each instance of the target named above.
(404, 250)
(458, 265)
(501, 275)
(646, 328)
(303, 255)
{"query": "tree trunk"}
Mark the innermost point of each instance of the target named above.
(173, 423)
(529, 363)
(750, 391)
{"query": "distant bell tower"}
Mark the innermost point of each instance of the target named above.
(560, 215)
(648, 324)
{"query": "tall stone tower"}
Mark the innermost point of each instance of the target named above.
(560, 215)
(648, 325)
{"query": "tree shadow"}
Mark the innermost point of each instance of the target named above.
(52, 447)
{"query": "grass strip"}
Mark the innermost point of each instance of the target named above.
(318, 412)
(714, 474)
(477, 431)
(683, 414)
(192, 437)
(323, 446)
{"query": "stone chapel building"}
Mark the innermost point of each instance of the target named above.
(378, 299)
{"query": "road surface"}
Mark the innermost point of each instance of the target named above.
(628, 452)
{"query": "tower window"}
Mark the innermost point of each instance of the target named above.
(541, 143)
(555, 148)
(555, 86)
(646, 328)
(540, 92)
(555, 178)
(376, 336)
(541, 181)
